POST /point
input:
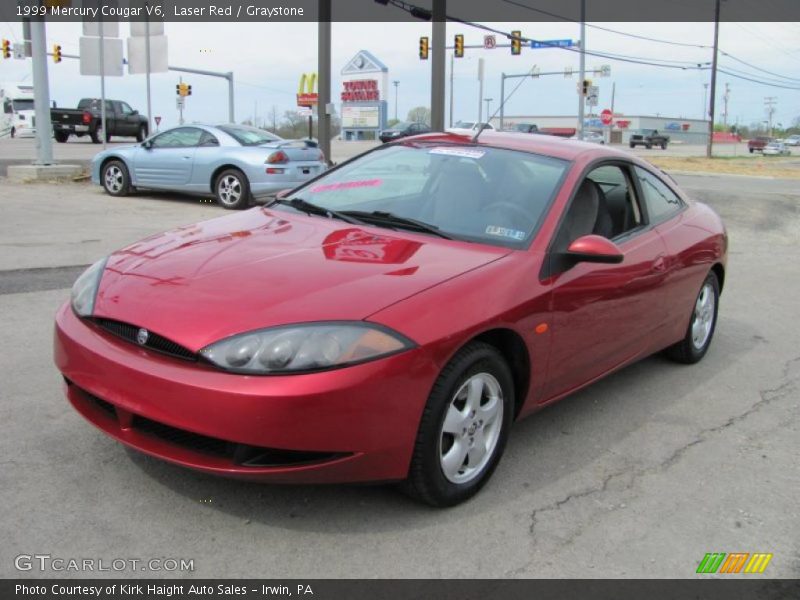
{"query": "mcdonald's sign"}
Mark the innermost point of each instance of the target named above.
(735, 562)
(307, 92)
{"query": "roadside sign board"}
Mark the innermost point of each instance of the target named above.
(489, 42)
(158, 120)
(180, 102)
(606, 116)
(552, 43)
(19, 51)
(90, 56)
(304, 111)
(591, 97)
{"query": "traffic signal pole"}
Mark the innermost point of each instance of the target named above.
(324, 77)
(438, 66)
(582, 77)
(41, 96)
(710, 144)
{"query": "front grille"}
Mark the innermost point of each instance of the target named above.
(239, 454)
(155, 342)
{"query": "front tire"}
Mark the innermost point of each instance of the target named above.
(115, 178)
(232, 189)
(464, 427)
(61, 137)
(693, 347)
(13, 132)
(141, 134)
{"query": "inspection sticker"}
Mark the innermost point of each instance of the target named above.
(461, 152)
(515, 234)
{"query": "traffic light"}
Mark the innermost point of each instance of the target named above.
(188, 90)
(178, 89)
(183, 89)
(459, 46)
(587, 83)
(423, 48)
(56, 53)
(6, 49)
(516, 42)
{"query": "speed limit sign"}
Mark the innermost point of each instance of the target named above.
(489, 42)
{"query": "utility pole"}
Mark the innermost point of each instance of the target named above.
(488, 104)
(582, 76)
(103, 134)
(147, 75)
(396, 86)
(480, 90)
(41, 97)
(703, 112)
(438, 74)
(710, 145)
(324, 77)
(502, 99)
(613, 96)
(770, 102)
(452, 64)
(725, 99)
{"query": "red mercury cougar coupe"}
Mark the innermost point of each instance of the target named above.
(390, 319)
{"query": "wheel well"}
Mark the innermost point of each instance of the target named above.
(109, 159)
(219, 170)
(719, 271)
(511, 345)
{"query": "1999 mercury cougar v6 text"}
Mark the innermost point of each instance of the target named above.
(389, 319)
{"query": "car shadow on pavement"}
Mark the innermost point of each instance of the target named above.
(556, 443)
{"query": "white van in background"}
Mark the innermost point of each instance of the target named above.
(17, 116)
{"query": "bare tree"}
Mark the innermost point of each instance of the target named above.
(420, 114)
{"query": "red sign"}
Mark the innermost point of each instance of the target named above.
(307, 99)
(158, 120)
(361, 90)
(606, 117)
(623, 124)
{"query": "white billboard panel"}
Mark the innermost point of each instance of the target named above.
(90, 56)
(137, 58)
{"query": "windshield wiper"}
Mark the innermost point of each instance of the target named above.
(315, 209)
(379, 217)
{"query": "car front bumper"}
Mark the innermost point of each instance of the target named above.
(354, 424)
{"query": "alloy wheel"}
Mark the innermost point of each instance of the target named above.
(229, 189)
(471, 428)
(114, 179)
(703, 319)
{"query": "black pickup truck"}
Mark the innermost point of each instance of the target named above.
(649, 138)
(121, 120)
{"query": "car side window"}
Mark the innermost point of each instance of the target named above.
(207, 139)
(182, 137)
(660, 200)
(618, 207)
(7, 108)
(125, 108)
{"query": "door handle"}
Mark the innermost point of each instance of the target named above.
(187, 158)
(659, 264)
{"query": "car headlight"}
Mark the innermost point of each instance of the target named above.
(84, 290)
(305, 347)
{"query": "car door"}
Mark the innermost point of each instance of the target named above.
(128, 120)
(604, 315)
(166, 161)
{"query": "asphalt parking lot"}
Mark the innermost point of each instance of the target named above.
(639, 475)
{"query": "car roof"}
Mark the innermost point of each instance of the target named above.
(546, 145)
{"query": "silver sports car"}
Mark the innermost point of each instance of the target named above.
(233, 162)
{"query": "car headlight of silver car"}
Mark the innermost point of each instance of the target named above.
(305, 347)
(84, 290)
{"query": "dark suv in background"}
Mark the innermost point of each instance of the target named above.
(403, 129)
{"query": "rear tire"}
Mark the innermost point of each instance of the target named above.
(232, 189)
(649, 146)
(632, 145)
(751, 150)
(693, 347)
(664, 146)
(467, 419)
(115, 178)
(61, 137)
(13, 132)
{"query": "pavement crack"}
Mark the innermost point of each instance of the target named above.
(786, 386)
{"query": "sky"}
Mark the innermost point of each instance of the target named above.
(268, 58)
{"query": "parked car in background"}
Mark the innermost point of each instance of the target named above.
(403, 129)
(649, 138)
(525, 128)
(757, 144)
(470, 126)
(235, 163)
(18, 116)
(591, 136)
(121, 120)
(776, 149)
(793, 140)
(377, 324)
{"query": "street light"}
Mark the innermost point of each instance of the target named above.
(488, 113)
(396, 85)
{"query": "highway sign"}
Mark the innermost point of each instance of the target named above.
(606, 116)
(489, 42)
(552, 43)
(592, 95)
(180, 102)
(19, 50)
(158, 120)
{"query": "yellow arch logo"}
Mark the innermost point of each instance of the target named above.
(308, 84)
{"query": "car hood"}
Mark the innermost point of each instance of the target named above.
(261, 268)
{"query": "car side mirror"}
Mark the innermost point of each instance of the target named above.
(147, 144)
(135, 112)
(596, 249)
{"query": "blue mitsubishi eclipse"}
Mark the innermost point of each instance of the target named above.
(233, 162)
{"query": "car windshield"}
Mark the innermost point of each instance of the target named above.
(249, 136)
(24, 104)
(400, 126)
(467, 192)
